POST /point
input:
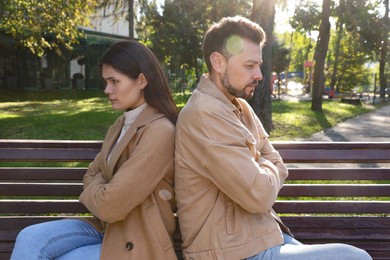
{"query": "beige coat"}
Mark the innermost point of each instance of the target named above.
(132, 196)
(227, 178)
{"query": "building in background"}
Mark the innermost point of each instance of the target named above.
(77, 69)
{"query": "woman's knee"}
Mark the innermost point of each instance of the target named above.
(30, 234)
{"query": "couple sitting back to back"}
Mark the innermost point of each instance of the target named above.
(214, 162)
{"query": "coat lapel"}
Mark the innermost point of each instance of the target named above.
(147, 116)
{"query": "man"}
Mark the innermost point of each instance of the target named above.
(228, 174)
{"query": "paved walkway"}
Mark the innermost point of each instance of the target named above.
(369, 127)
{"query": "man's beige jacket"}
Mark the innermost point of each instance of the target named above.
(227, 177)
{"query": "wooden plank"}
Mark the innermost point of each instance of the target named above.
(337, 222)
(41, 206)
(336, 156)
(30, 143)
(40, 189)
(353, 207)
(339, 173)
(318, 145)
(289, 190)
(319, 234)
(42, 173)
(47, 155)
(335, 190)
(77, 173)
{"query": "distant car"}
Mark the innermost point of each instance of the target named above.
(329, 92)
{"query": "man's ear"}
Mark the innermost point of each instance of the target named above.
(142, 82)
(218, 61)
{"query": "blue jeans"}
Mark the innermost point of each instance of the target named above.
(60, 239)
(295, 250)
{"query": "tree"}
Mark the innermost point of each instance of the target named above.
(383, 54)
(280, 60)
(40, 25)
(176, 34)
(339, 33)
(264, 13)
(320, 57)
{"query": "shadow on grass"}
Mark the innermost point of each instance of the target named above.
(322, 120)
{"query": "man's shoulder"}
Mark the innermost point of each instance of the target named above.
(206, 102)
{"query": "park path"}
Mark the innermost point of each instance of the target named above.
(369, 127)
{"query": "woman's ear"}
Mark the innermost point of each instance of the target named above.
(218, 61)
(142, 82)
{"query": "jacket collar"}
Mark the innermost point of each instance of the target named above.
(208, 87)
(147, 116)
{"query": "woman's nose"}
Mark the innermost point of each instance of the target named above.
(107, 89)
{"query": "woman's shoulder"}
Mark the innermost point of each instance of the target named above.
(162, 123)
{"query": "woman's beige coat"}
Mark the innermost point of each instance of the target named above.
(131, 196)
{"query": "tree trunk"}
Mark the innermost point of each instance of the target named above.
(263, 13)
(339, 33)
(131, 19)
(320, 57)
(382, 61)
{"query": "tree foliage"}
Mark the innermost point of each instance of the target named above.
(176, 34)
(40, 25)
(359, 38)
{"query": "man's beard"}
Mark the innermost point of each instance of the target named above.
(235, 92)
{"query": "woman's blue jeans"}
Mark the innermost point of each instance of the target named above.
(295, 250)
(60, 239)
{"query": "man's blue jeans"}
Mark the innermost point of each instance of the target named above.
(294, 250)
(61, 239)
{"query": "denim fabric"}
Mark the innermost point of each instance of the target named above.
(294, 250)
(60, 239)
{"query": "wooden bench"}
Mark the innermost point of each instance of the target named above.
(352, 206)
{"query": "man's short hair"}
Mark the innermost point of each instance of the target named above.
(215, 39)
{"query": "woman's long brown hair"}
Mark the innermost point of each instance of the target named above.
(132, 58)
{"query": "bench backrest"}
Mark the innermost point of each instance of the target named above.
(329, 185)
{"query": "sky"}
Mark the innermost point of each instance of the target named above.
(282, 16)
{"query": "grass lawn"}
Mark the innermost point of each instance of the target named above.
(86, 115)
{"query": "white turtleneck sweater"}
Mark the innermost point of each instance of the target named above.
(130, 117)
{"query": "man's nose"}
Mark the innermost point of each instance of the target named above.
(258, 75)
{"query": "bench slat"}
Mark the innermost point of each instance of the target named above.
(361, 207)
(339, 156)
(42, 173)
(335, 190)
(30, 143)
(41, 189)
(47, 155)
(339, 174)
(334, 146)
(41, 206)
(336, 222)
(289, 190)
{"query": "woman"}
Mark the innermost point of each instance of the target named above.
(128, 187)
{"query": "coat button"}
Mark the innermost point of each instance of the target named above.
(129, 246)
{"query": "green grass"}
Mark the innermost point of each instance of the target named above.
(295, 119)
(86, 115)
